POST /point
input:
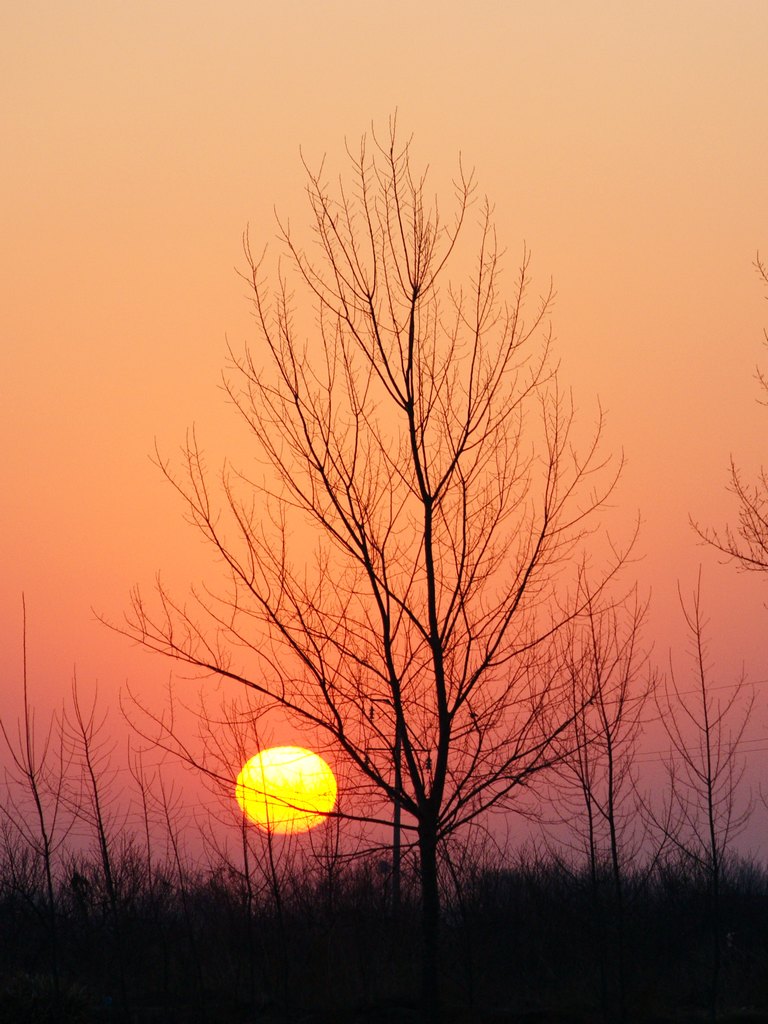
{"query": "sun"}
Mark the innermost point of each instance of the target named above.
(286, 789)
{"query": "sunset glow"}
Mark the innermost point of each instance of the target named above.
(384, 511)
(622, 145)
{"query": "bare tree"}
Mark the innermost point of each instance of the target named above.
(746, 543)
(34, 806)
(144, 784)
(92, 802)
(594, 790)
(704, 769)
(397, 556)
(176, 857)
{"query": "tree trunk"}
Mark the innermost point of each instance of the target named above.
(430, 922)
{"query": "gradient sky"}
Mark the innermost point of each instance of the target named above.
(624, 143)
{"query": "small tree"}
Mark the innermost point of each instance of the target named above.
(415, 431)
(34, 806)
(92, 800)
(594, 791)
(704, 770)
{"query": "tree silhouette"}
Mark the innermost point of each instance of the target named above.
(705, 768)
(594, 792)
(34, 805)
(400, 556)
(92, 796)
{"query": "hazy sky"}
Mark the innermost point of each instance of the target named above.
(624, 143)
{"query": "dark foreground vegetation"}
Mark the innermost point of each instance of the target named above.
(524, 938)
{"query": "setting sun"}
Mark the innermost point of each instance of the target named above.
(286, 789)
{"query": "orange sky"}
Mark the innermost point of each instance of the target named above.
(626, 144)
